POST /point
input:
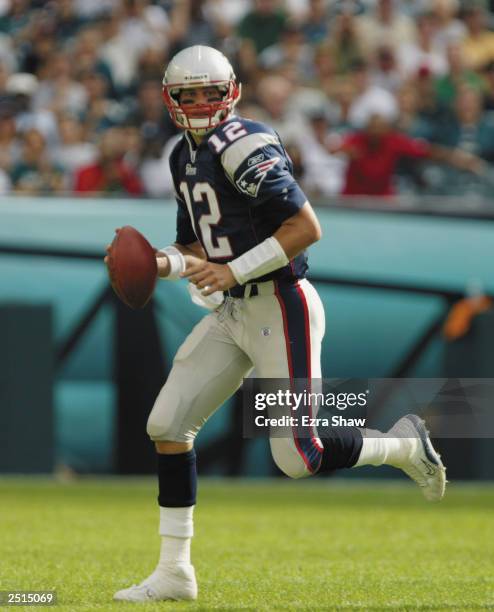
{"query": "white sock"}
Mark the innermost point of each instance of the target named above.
(380, 448)
(176, 530)
(173, 551)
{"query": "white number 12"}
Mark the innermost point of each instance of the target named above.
(206, 221)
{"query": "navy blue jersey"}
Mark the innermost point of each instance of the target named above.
(234, 190)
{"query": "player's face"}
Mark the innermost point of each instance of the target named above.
(196, 97)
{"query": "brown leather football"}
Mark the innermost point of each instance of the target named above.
(132, 267)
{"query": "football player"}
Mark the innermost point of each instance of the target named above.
(243, 227)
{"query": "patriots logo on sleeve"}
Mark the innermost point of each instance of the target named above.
(251, 179)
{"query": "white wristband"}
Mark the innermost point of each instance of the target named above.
(262, 259)
(176, 261)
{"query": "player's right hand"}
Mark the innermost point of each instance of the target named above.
(210, 277)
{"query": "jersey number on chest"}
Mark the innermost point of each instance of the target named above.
(204, 192)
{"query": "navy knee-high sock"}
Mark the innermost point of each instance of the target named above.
(177, 478)
(342, 446)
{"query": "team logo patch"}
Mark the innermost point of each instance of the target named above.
(190, 170)
(251, 180)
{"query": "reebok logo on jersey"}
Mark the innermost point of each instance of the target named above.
(255, 160)
(251, 180)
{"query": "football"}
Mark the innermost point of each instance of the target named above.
(132, 267)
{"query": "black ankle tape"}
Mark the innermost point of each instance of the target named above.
(342, 446)
(177, 479)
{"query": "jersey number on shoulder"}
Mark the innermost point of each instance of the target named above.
(206, 221)
(231, 131)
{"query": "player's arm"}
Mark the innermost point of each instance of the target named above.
(298, 232)
(343, 145)
(419, 148)
(463, 160)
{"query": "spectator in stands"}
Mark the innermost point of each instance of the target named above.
(150, 67)
(315, 25)
(422, 52)
(118, 53)
(100, 112)
(291, 48)
(16, 19)
(324, 66)
(385, 72)
(478, 44)
(7, 52)
(343, 93)
(154, 125)
(368, 96)
(385, 24)
(225, 15)
(488, 90)
(91, 10)
(411, 176)
(34, 173)
(374, 152)
(10, 145)
(345, 43)
(4, 77)
(410, 121)
(274, 94)
(87, 51)
(145, 25)
(259, 29)
(59, 92)
(200, 27)
(449, 30)
(430, 107)
(323, 172)
(22, 87)
(110, 174)
(469, 129)
(72, 152)
(36, 43)
(456, 77)
(68, 22)
(155, 173)
(133, 147)
(263, 25)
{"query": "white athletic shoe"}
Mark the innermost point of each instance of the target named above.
(423, 464)
(177, 583)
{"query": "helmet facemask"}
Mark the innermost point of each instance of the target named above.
(211, 114)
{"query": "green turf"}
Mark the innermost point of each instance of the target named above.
(314, 545)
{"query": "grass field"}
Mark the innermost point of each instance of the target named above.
(270, 545)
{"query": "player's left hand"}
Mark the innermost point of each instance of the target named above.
(210, 276)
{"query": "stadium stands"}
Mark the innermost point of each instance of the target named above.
(80, 89)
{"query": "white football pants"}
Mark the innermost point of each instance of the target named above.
(278, 332)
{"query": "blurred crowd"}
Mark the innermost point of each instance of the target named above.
(369, 96)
